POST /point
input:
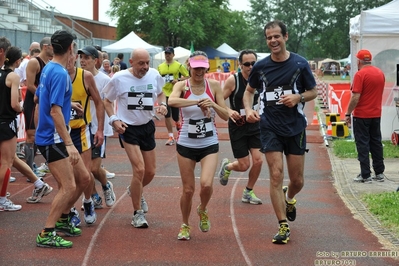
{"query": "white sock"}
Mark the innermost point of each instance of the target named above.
(87, 200)
(38, 183)
(170, 135)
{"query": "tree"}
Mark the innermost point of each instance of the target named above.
(176, 22)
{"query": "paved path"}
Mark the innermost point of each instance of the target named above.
(241, 234)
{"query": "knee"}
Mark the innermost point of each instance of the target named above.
(257, 162)
(188, 192)
(297, 183)
(206, 188)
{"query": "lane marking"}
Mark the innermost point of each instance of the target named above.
(97, 232)
(234, 224)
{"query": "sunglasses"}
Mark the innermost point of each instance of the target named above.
(247, 64)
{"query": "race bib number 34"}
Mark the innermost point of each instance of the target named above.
(274, 93)
(200, 128)
(140, 101)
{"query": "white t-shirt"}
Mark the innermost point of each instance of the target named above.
(21, 70)
(135, 97)
(101, 80)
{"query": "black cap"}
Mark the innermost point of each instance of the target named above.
(169, 49)
(61, 40)
(89, 50)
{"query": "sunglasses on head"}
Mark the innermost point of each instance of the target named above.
(247, 64)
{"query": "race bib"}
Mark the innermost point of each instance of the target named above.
(74, 113)
(168, 78)
(201, 128)
(140, 101)
(273, 94)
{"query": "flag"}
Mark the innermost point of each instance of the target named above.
(192, 47)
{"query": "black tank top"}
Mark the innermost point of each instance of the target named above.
(6, 111)
(29, 95)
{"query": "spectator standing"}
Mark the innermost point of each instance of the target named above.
(365, 106)
(226, 66)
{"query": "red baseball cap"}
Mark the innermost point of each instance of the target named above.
(364, 55)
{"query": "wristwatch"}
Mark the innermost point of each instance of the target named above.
(302, 98)
(164, 104)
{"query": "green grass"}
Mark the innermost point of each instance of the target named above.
(385, 207)
(347, 149)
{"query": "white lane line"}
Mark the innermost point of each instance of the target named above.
(233, 221)
(97, 232)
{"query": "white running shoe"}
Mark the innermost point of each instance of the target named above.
(38, 193)
(89, 213)
(8, 205)
(109, 195)
(139, 220)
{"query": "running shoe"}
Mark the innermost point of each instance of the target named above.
(283, 234)
(360, 179)
(8, 205)
(379, 178)
(98, 201)
(108, 174)
(39, 174)
(139, 220)
(250, 197)
(170, 142)
(290, 208)
(39, 193)
(65, 226)
(43, 168)
(12, 179)
(74, 217)
(109, 195)
(144, 205)
(223, 172)
(52, 240)
(90, 215)
(204, 223)
(184, 233)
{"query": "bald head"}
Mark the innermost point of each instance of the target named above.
(34, 45)
(140, 62)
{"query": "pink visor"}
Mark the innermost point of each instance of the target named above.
(199, 61)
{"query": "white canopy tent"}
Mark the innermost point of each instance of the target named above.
(181, 55)
(227, 49)
(130, 42)
(377, 30)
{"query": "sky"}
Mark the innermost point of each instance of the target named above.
(84, 8)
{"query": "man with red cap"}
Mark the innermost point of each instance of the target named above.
(365, 106)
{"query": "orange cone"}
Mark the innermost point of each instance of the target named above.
(315, 121)
(329, 129)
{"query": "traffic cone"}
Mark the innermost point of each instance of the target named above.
(315, 121)
(329, 129)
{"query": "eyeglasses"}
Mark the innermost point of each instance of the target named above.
(247, 64)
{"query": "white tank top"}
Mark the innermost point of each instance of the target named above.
(197, 131)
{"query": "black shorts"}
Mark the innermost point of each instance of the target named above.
(142, 135)
(244, 137)
(29, 111)
(172, 111)
(295, 145)
(54, 152)
(196, 154)
(8, 129)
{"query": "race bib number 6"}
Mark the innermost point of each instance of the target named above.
(140, 101)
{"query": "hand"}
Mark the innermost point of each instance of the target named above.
(73, 153)
(162, 110)
(290, 100)
(252, 116)
(119, 126)
(98, 138)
